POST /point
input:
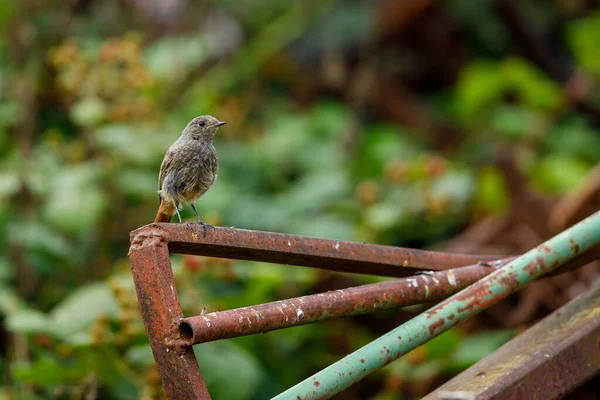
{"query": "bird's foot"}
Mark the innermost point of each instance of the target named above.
(205, 226)
(485, 264)
(190, 225)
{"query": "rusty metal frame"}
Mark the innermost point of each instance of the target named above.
(171, 335)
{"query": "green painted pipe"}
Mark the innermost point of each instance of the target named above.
(463, 305)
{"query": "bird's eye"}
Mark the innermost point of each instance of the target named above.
(201, 123)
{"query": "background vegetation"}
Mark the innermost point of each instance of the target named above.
(460, 125)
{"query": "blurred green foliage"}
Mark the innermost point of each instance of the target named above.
(87, 111)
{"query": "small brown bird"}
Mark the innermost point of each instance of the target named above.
(189, 168)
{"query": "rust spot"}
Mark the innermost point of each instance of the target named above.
(479, 300)
(477, 297)
(546, 249)
(542, 264)
(537, 267)
(511, 280)
(435, 326)
(317, 383)
(574, 247)
(362, 360)
(399, 337)
(451, 317)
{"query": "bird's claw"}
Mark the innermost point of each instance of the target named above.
(190, 225)
(485, 264)
(205, 226)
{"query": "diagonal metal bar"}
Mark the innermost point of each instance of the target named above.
(546, 362)
(330, 305)
(465, 304)
(334, 255)
(158, 300)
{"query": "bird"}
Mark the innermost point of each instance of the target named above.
(189, 168)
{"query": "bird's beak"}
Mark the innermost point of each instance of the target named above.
(219, 124)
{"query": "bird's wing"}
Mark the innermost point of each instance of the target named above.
(164, 167)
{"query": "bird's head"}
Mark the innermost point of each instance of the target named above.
(203, 127)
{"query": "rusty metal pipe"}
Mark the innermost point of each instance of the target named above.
(330, 305)
(333, 255)
(159, 303)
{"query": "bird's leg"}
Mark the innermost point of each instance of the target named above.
(177, 211)
(204, 226)
(197, 215)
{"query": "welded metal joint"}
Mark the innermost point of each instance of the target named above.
(152, 236)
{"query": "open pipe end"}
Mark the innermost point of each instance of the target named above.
(186, 333)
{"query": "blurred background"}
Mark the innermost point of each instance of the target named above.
(465, 126)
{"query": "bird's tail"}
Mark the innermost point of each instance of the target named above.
(165, 211)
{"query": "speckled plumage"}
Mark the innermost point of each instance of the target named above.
(189, 168)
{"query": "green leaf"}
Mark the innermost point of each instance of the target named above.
(7, 10)
(138, 145)
(559, 173)
(380, 145)
(140, 355)
(6, 271)
(28, 321)
(81, 308)
(584, 37)
(49, 373)
(480, 85)
(384, 216)
(229, 371)
(140, 183)
(424, 371)
(76, 201)
(11, 112)
(574, 136)
(492, 194)
(458, 185)
(315, 191)
(329, 119)
(511, 121)
(89, 112)
(9, 301)
(172, 57)
(35, 236)
(477, 346)
(443, 345)
(9, 184)
(532, 86)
